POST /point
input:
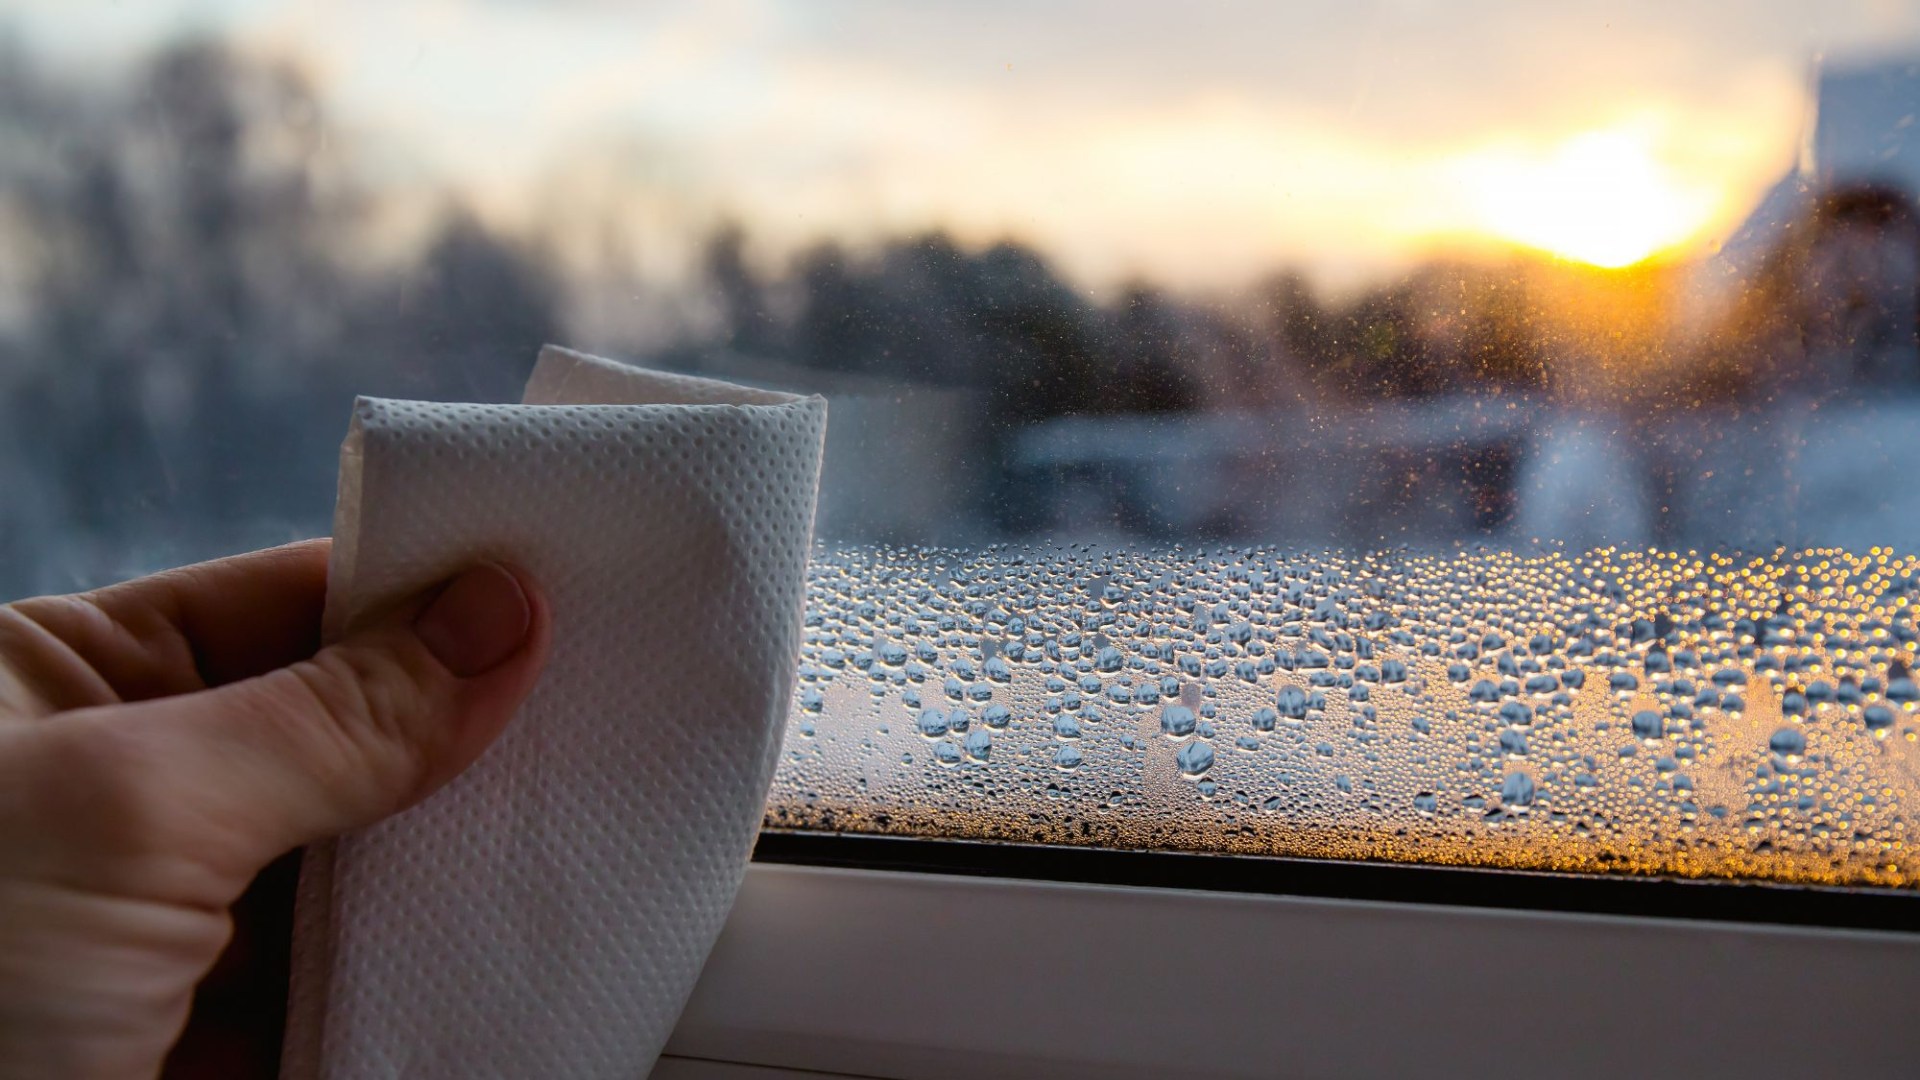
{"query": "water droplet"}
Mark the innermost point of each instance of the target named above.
(979, 745)
(1195, 758)
(1513, 712)
(1176, 721)
(1517, 790)
(1291, 702)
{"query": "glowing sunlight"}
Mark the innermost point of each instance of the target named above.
(1603, 197)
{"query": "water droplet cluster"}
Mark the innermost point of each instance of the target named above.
(1620, 711)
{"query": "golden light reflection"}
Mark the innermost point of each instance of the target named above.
(1603, 197)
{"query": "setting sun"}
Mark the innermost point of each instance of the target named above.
(1601, 197)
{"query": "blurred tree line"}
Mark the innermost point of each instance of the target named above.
(197, 311)
(202, 282)
(924, 309)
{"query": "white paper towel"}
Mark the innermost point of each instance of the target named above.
(548, 912)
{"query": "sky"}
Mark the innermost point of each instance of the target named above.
(1199, 143)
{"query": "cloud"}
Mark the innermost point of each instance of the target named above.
(1197, 142)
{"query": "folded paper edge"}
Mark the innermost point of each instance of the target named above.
(565, 376)
(310, 966)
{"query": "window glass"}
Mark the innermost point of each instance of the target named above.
(1652, 712)
(1469, 432)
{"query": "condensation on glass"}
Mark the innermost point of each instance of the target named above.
(1642, 712)
(1621, 278)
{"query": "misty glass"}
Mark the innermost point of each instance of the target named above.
(1471, 432)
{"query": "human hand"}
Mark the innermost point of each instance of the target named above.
(163, 740)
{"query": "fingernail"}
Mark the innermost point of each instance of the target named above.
(477, 621)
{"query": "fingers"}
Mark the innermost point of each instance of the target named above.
(239, 1010)
(171, 633)
(360, 730)
(242, 616)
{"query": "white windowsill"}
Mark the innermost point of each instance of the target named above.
(919, 976)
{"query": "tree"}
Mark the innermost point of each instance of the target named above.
(474, 314)
(197, 319)
(747, 324)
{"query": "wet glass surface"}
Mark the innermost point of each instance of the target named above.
(1172, 350)
(1649, 713)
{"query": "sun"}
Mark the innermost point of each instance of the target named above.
(1602, 197)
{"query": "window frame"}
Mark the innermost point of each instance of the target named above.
(914, 975)
(1719, 900)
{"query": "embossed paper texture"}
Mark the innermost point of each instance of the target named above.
(548, 913)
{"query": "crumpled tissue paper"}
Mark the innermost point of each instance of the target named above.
(548, 913)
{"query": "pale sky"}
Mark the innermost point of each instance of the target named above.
(1196, 142)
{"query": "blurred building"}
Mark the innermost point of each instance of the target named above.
(1864, 129)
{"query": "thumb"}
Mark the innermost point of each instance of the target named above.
(365, 728)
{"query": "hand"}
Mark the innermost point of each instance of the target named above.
(163, 740)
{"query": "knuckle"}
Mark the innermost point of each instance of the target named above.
(378, 705)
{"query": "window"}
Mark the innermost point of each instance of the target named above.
(1464, 435)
